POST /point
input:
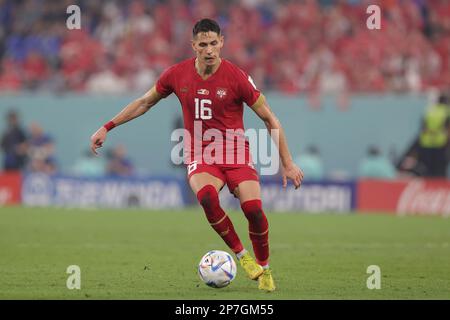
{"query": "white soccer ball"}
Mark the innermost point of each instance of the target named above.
(217, 269)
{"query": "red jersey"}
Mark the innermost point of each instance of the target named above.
(216, 106)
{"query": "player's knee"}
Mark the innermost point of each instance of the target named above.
(253, 210)
(208, 196)
(257, 214)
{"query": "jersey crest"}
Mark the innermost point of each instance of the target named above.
(221, 93)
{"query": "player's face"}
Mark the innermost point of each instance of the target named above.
(207, 46)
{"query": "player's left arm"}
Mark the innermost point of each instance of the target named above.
(273, 125)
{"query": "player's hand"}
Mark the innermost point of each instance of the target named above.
(97, 139)
(293, 173)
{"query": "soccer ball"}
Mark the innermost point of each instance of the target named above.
(217, 269)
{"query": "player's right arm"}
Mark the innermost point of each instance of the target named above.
(133, 110)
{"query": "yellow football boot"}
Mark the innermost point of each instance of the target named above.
(266, 282)
(250, 266)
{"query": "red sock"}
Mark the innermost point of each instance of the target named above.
(209, 200)
(258, 228)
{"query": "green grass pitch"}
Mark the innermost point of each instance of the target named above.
(137, 254)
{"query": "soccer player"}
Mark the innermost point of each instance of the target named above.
(212, 91)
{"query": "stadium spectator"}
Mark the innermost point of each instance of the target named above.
(376, 165)
(88, 165)
(409, 165)
(106, 81)
(14, 143)
(41, 151)
(119, 165)
(311, 164)
(10, 78)
(434, 139)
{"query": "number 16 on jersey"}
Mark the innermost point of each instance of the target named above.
(202, 111)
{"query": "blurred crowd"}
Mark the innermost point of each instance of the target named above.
(27, 149)
(32, 149)
(292, 46)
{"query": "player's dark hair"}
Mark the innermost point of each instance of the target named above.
(206, 25)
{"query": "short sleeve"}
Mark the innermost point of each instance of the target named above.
(249, 92)
(165, 85)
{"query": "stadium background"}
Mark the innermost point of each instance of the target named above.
(333, 83)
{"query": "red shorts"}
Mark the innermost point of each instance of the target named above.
(232, 176)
